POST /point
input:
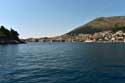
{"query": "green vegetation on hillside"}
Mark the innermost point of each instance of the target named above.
(101, 24)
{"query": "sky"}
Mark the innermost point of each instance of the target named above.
(40, 18)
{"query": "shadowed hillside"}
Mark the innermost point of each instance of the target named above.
(101, 24)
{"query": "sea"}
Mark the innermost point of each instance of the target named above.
(62, 63)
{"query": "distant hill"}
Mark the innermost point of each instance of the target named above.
(9, 36)
(114, 24)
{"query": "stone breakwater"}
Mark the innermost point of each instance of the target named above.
(105, 36)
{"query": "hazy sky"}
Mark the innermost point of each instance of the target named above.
(38, 18)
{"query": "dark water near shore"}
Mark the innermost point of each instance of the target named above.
(62, 63)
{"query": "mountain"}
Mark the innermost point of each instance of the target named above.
(102, 29)
(9, 36)
(114, 23)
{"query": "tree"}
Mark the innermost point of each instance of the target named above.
(14, 34)
(5, 31)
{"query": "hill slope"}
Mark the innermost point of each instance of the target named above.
(114, 24)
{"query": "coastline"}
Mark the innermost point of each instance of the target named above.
(103, 37)
(12, 42)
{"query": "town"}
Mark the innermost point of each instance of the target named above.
(105, 36)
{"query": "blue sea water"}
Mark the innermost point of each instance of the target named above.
(62, 63)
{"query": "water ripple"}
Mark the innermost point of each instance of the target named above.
(62, 63)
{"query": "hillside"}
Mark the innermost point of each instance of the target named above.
(114, 24)
(103, 29)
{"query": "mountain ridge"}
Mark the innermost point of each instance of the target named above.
(113, 23)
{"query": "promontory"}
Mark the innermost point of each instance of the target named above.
(9, 36)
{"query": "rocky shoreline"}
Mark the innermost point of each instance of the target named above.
(105, 36)
(12, 42)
